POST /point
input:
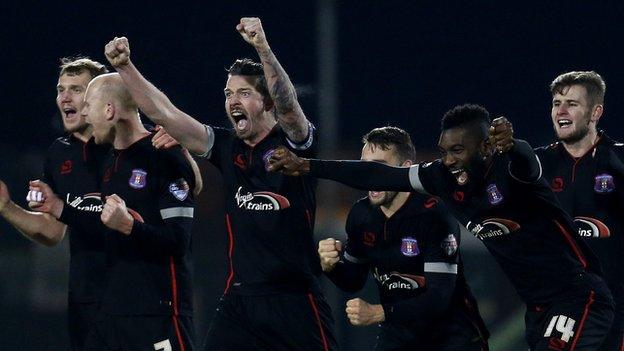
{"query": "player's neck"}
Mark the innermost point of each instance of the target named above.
(127, 132)
(84, 135)
(398, 202)
(264, 128)
(580, 147)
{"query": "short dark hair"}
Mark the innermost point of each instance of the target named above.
(247, 67)
(385, 137)
(77, 65)
(470, 116)
(590, 80)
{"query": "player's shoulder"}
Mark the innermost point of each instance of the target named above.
(549, 149)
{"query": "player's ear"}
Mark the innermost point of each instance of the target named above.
(109, 111)
(486, 148)
(407, 163)
(597, 112)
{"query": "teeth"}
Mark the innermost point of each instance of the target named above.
(237, 113)
(564, 122)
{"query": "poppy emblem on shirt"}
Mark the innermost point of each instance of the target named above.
(66, 167)
(494, 195)
(557, 184)
(138, 179)
(458, 196)
(449, 245)
(409, 247)
(179, 189)
(431, 202)
(239, 161)
(604, 183)
(368, 239)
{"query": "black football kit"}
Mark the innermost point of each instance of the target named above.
(513, 211)
(72, 170)
(272, 299)
(414, 257)
(591, 189)
(147, 304)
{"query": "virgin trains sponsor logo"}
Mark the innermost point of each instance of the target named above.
(399, 281)
(91, 202)
(493, 227)
(260, 201)
(591, 228)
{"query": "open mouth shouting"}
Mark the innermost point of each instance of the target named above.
(69, 112)
(564, 123)
(460, 175)
(240, 120)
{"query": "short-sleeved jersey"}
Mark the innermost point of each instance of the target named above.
(591, 189)
(149, 271)
(522, 225)
(419, 237)
(269, 216)
(72, 169)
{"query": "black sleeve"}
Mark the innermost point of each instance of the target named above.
(46, 175)
(363, 175)
(524, 165)
(85, 221)
(172, 236)
(351, 271)
(441, 259)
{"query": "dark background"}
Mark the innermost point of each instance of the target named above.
(397, 62)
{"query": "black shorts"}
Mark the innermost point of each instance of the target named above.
(80, 319)
(457, 331)
(141, 333)
(570, 323)
(614, 340)
(272, 322)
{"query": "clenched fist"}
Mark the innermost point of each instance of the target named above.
(329, 252)
(362, 313)
(501, 134)
(117, 52)
(41, 198)
(115, 215)
(250, 28)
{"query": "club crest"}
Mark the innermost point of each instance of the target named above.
(604, 183)
(179, 189)
(138, 179)
(494, 195)
(409, 247)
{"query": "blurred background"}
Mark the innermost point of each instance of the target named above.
(357, 65)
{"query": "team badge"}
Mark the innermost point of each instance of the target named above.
(266, 157)
(179, 189)
(409, 247)
(557, 184)
(604, 183)
(138, 179)
(494, 195)
(449, 245)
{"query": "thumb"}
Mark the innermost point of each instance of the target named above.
(338, 245)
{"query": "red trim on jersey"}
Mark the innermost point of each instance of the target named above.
(230, 252)
(579, 330)
(309, 217)
(318, 321)
(174, 297)
(578, 159)
(84, 152)
(577, 250)
(621, 342)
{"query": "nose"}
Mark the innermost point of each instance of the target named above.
(84, 114)
(448, 160)
(561, 109)
(65, 96)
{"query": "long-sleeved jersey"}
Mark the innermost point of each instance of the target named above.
(269, 216)
(414, 257)
(511, 209)
(148, 271)
(591, 189)
(72, 170)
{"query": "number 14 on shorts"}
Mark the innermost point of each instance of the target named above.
(164, 345)
(562, 324)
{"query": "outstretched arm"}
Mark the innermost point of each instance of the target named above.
(38, 227)
(154, 103)
(524, 164)
(290, 116)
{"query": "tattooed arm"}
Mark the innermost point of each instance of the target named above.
(289, 114)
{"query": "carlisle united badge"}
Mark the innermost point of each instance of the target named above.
(494, 195)
(604, 183)
(409, 247)
(138, 179)
(449, 245)
(179, 189)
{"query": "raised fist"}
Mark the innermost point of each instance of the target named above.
(501, 134)
(115, 215)
(117, 52)
(329, 252)
(250, 28)
(41, 198)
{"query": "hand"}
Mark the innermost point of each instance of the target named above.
(329, 252)
(501, 134)
(117, 52)
(41, 198)
(250, 28)
(362, 313)
(5, 197)
(285, 161)
(163, 140)
(115, 215)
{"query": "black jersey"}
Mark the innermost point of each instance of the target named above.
(591, 189)
(516, 215)
(269, 216)
(148, 271)
(405, 252)
(72, 170)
